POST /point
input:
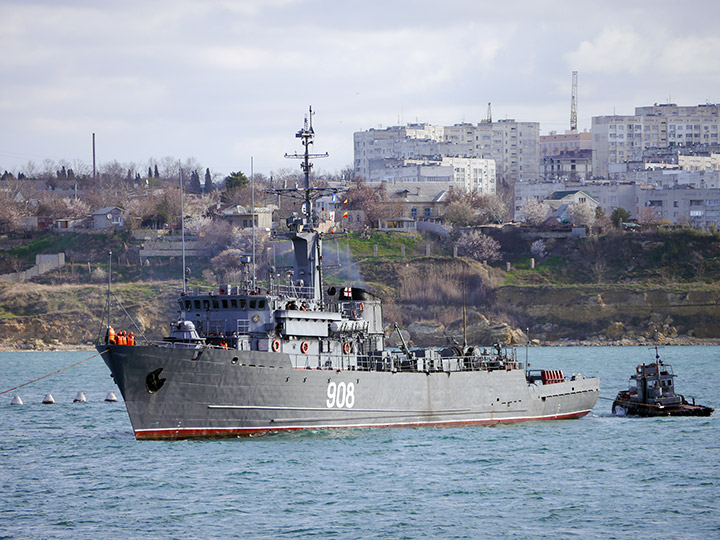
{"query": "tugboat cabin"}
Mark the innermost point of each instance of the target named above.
(653, 383)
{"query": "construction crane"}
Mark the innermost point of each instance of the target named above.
(573, 103)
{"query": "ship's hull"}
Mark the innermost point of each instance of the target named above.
(624, 406)
(175, 393)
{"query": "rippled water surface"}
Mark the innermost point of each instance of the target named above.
(75, 471)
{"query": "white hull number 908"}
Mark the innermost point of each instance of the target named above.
(340, 395)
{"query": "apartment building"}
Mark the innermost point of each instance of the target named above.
(473, 174)
(609, 195)
(555, 144)
(710, 162)
(698, 208)
(619, 139)
(691, 203)
(513, 146)
(569, 165)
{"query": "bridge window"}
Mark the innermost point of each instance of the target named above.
(242, 304)
(224, 303)
(253, 304)
(206, 304)
(197, 304)
(188, 304)
(215, 304)
(233, 303)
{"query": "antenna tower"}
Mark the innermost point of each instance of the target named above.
(488, 118)
(573, 103)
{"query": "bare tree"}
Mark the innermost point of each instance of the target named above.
(10, 214)
(369, 199)
(169, 167)
(30, 169)
(599, 270)
(648, 216)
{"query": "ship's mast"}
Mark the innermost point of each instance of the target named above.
(182, 229)
(253, 216)
(109, 284)
(306, 134)
(307, 241)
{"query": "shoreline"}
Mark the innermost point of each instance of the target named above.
(40, 346)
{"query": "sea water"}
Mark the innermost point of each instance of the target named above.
(75, 471)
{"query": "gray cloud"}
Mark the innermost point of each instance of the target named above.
(225, 80)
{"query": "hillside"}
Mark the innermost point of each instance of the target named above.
(627, 288)
(40, 316)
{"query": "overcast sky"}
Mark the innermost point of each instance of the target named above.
(221, 81)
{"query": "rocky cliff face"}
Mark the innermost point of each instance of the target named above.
(613, 312)
(36, 316)
(476, 329)
(43, 317)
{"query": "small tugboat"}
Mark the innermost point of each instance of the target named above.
(652, 393)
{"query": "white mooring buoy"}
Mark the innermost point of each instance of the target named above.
(80, 398)
(16, 400)
(48, 399)
(111, 397)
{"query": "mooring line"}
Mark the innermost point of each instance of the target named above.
(627, 401)
(53, 373)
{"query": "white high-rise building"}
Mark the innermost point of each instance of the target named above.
(474, 174)
(512, 146)
(620, 139)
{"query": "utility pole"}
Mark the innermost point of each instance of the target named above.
(573, 103)
(94, 169)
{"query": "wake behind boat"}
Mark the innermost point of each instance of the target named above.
(244, 360)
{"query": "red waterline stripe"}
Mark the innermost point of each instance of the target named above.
(193, 433)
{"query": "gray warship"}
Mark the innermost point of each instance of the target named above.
(291, 355)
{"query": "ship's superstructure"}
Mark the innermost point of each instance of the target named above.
(290, 354)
